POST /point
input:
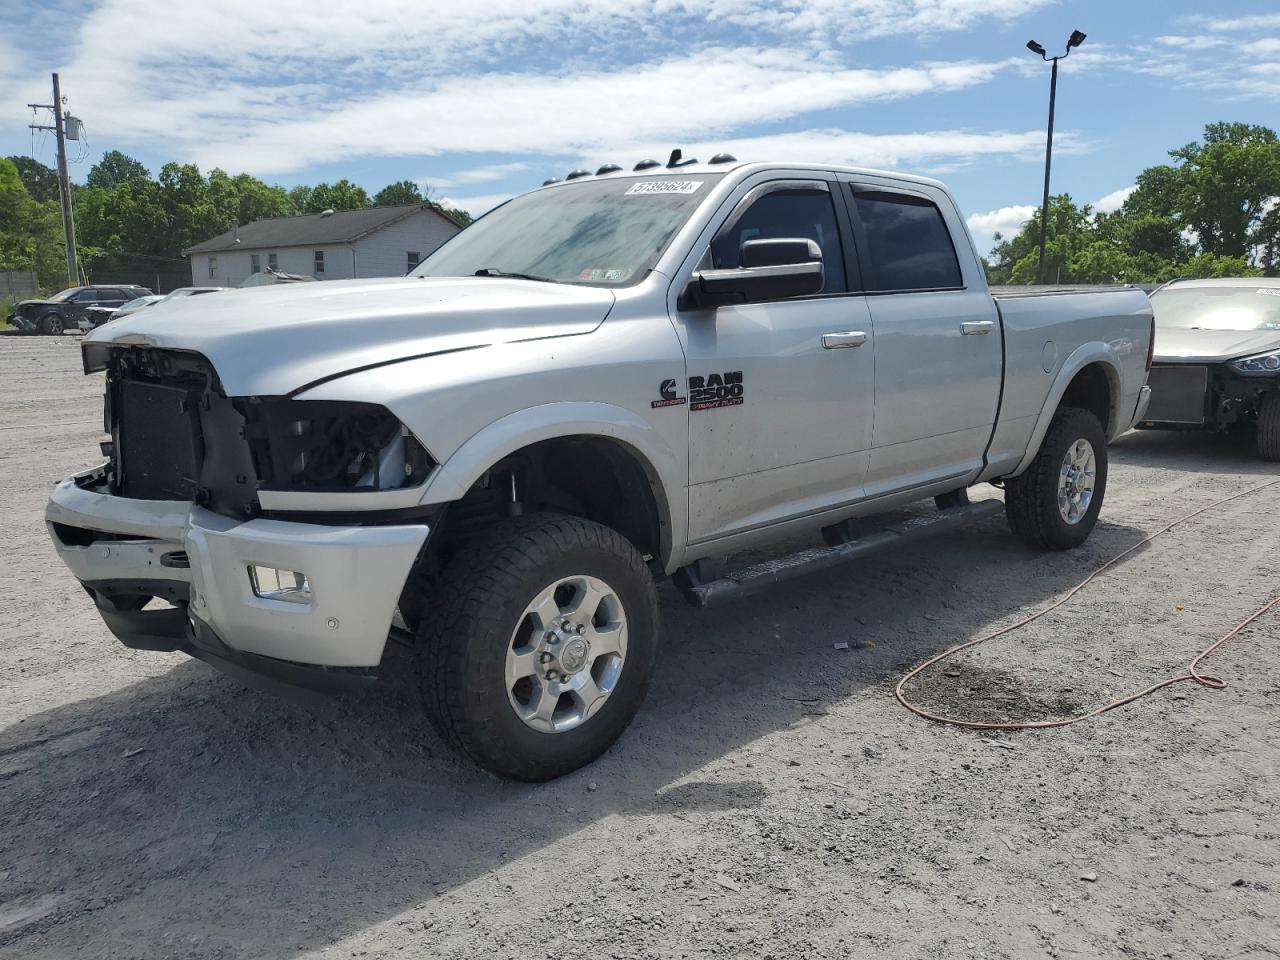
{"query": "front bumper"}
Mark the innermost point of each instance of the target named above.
(25, 324)
(198, 561)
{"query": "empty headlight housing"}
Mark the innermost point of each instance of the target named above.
(1264, 364)
(333, 445)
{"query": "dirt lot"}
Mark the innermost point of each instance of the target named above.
(772, 800)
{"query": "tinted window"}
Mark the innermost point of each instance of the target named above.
(908, 246)
(807, 214)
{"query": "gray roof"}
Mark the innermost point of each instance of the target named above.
(344, 226)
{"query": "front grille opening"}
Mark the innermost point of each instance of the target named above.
(72, 536)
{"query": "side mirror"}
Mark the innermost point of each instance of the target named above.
(773, 269)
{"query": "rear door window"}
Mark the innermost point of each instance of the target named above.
(907, 244)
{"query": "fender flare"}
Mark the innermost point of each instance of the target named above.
(1093, 352)
(551, 421)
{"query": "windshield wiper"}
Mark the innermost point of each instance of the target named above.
(495, 272)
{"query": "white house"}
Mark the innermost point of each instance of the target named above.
(377, 242)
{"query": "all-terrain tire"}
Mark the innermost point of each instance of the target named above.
(51, 325)
(1269, 427)
(469, 623)
(1031, 500)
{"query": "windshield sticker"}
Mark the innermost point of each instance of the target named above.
(664, 186)
(604, 274)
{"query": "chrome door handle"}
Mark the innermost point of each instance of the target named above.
(977, 328)
(849, 338)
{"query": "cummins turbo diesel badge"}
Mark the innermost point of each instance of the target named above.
(669, 398)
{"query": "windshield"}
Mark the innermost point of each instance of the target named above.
(604, 233)
(63, 294)
(1218, 308)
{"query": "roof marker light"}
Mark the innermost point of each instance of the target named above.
(575, 174)
(646, 165)
(608, 168)
(724, 158)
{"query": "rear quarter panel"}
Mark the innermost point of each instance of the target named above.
(1049, 338)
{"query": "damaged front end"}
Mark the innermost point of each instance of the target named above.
(176, 435)
(177, 515)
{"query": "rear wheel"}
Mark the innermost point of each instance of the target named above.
(1269, 427)
(538, 645)
(51, 325)
(1054, 505)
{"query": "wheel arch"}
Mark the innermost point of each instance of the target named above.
(637, 462)
(1089, 378)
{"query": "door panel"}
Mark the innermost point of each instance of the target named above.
(938, 346)
(936, 388)
(796, 438)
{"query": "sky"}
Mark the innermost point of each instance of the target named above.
(485, 99)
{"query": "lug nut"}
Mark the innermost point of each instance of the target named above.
(581, 629)
(545, 658)
(564, 624)
(552, 675)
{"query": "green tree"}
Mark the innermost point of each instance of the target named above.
(398, 194)
(1223, 189)
(343, 195)
(41, 181)
(30, 231)
(114, 169)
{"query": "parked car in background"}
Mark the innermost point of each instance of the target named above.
(1217, 358)
(64, 310)
(97, 316)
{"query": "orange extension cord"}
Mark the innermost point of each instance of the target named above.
(1204, 679)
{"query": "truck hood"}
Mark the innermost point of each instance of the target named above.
(274, 340)
(1181, 345)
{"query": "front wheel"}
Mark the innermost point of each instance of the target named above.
(1269, 427)
(51, 325)
(538, 645)
(1055, 503)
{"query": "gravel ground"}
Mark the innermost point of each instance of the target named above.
(771, 800)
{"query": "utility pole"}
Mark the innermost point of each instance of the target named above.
(64, 182)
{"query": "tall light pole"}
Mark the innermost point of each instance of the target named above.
(1073, 41)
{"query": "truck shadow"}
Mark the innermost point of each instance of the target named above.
(186, 815)
(1191, 450)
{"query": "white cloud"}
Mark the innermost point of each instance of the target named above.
(494, 171)
(1262, 21)
(1005, 221)
(476, 206)
(930, 151)
(312, 83)
(568, 114)
(1113, 201)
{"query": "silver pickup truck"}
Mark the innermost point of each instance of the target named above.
(603, 383)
